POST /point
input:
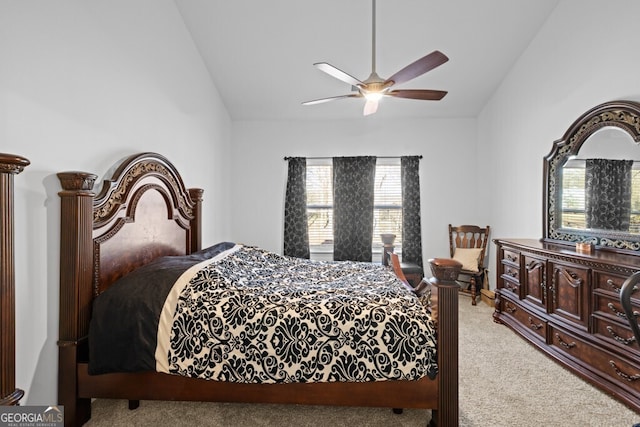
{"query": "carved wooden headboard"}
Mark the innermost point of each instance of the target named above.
(143, 212)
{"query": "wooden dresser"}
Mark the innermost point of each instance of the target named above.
(567, 304)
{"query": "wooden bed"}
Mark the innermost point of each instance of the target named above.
(10, 165)
(144, 211)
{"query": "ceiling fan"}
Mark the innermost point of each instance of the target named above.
(375, 88)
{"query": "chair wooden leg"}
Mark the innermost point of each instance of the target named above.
(473, 290)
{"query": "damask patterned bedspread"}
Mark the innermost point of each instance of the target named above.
(250, 315)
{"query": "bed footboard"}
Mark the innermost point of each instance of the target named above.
(444, 306)
(444, 309)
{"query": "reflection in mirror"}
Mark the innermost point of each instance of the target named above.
(601, 185)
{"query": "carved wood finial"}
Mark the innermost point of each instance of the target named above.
(77, 181)
(11, 163)
(446, 269)
(196, 194)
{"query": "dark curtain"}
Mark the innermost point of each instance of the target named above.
(411, 229)
(608, 194)
(296, 232)
(353, 189)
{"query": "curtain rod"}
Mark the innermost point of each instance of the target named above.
(377, 157)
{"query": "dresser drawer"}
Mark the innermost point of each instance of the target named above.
(533, 323)
(616, 334)
(608, 282)
(622, 372)
(510, 285)
(511, 257)
(511, 272)
(607, 305)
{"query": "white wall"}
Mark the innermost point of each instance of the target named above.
(83, 84)
(448, 170)
(581, 57)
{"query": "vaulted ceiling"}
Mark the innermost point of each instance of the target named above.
(260, 53)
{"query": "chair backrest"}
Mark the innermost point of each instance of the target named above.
(469, 236)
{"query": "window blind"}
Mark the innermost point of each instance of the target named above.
(387, 203)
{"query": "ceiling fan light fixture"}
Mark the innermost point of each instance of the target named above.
(375, 87)
(373, 96)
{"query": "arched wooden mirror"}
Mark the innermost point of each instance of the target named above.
(592, 180)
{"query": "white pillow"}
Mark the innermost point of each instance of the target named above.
(468, 257)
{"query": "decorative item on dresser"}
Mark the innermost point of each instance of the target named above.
(562, 293)
(10, 165)
(144, 212)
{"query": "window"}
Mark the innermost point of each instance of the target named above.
(387, 209)
(573, 196)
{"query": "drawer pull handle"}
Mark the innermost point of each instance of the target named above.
(564, 343)
(622, 374)
(571, 277)
(534, 265)
(511, 286)
(618, 313)
(615, 311)
(510, 308)
(512, 258)
(533, 325)
(512, 273)
(613, 286)
(625, 341)
(616, 288)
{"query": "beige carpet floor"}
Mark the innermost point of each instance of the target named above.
(504, 382)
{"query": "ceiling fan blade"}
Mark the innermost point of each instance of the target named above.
(419, 67)
(332, 98)
(423, 94)
(370, 107)
(337, 73)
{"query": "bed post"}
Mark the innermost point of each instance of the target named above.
(196, 222)
(76, 293)
(10, 165)
(444, 297)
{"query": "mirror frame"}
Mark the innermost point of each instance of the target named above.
(621, 114)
